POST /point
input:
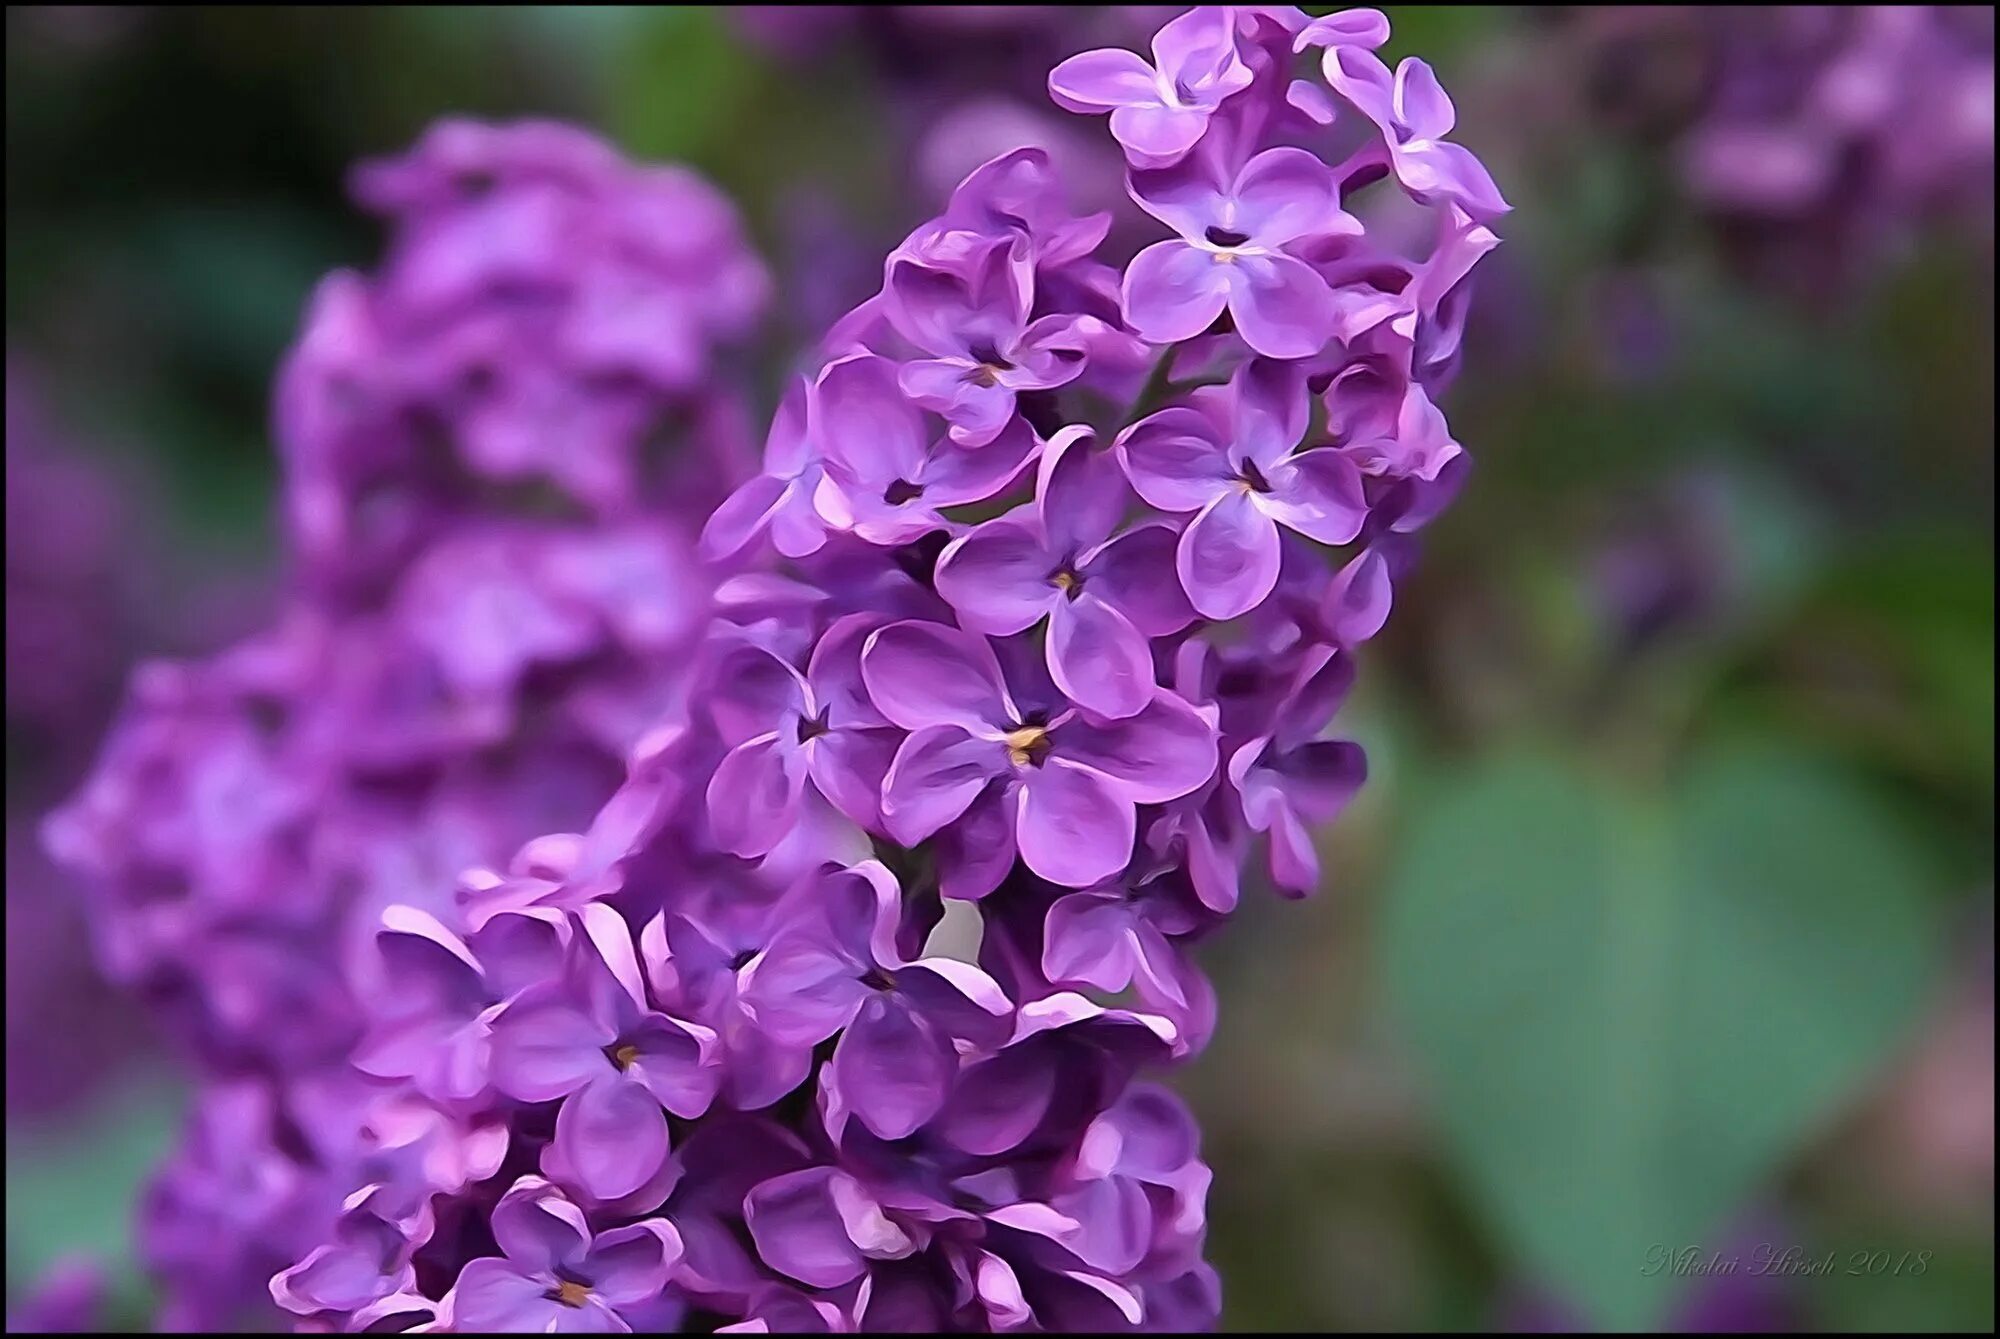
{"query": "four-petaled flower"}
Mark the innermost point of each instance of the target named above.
(1103, 596)
(1231, 253)
(1053, 782)
(1237, 463)
(1159, 111)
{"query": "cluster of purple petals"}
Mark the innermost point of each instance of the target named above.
(73, 615)
(496, 449)
(1822, 137)
(1025, 644)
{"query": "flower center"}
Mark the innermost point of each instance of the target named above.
(877, 979)
(989, 366)
(1027, 745)
(1067, 580)
(1224, 237)
(1252, 479)
(901, 491)
(812, 727)
(570, 1293)
(622, 1056)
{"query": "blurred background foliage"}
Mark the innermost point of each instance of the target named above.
(1666, 920)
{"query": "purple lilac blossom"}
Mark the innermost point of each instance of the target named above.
(695, 1060)
(1818, 142)
(494, 450)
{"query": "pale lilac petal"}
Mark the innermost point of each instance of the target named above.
(1155, 133)
(1421, 103)
(1357, 600)
(633, 1264)
(1096, 81)
(925, 674)
(861, 420)
(1184, 197)
(1437, 168)
(1087, 940)
(493, 1297)
(752, 691)
(1164, 752)
(976, 852)
(1367, 28)
(1172, 292)
(849, 766)
(801, 990)
(742, 516)
(893, 1070)
(1270, 412)
(1098, 658)
(936, 773)
(798, 1230)
(1283, 194)
(1228, 557)
(675, 1063)
(997, 1103)
(977, 409)
(997, 577)
(538, 1229)
(961, 999)
(1196, 51)
(612, 1135)
(1129, 574)
(961, 473)
(1000, 1294)
(1282, 308)
(1176, 459)
(1074, 827)
(753, 798)
(544, 1051)
(1319, 494)
(834, 673)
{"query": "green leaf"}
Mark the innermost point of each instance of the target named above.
(72, 1190)
(1631, 1009)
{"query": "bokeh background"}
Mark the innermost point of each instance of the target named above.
(1666, 920)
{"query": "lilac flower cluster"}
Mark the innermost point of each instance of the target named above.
(489, 448)
(73, 614)
(1035, 617)
(1819, 136)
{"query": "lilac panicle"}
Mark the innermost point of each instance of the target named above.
(491, 448)
(697, 1058)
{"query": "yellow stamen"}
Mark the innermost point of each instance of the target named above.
(623, 1058)
(1026, 744)
(571, 1294)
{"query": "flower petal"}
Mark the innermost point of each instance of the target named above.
(1282, 308)
(997, 576)
(925, 674)
(1228, 557)
(612, 1135)
(1317, 493)
(1074, 827)
(1098, 658)
(892, 1070)
(1172, 292)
